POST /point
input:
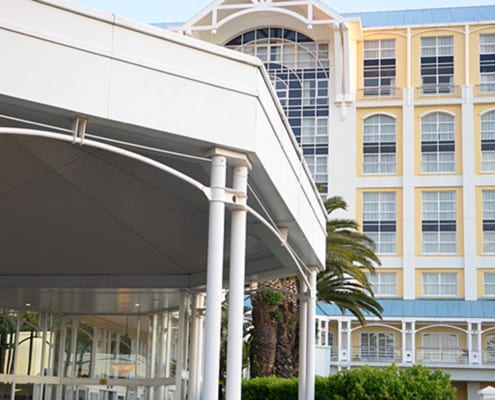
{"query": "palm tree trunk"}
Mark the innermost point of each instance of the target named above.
(275, 311)
(263, 346)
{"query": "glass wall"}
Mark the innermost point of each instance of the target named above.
(48, 356)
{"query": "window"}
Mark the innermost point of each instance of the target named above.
(441, 347)
(437, 143)
(488, 221)
(439, 222)
(488, 142)
(323, 335)
(299, 69)
(489, 283)
(487, 63)
(314, 130)
(443, 284)
(379, 67)
(377, 346)
(379, 220)
(379, 145)
(490, 348)
(384, 284)
(318, 167)
(437, 65)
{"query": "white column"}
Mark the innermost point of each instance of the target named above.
(236, 287)
(346, 69)
(214, 279)
(413, 341)
(409, 238)
(469, 206)
(303, 322)
(310, 339)
(195, 348)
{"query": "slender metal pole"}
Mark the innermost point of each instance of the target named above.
(214, 278)
(181, 346)
(15, 350)
(236, 289)
(137, 348)
(153, 356)
(303, 318)
(310, 339)
(194, 359)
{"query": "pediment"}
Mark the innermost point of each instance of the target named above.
(310, 13)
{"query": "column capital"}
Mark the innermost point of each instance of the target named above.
(234, 158)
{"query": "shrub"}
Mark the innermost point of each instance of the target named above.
(366, 383)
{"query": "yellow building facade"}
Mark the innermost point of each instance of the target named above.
(395, 112)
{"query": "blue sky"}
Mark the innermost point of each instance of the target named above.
(182, 10)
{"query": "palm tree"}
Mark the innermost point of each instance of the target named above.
(350, 255)
(344, 283)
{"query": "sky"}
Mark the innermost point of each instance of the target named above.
(182, 10)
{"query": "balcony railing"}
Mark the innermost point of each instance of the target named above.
(379, 92)
(424, 355)
(485, 89)
(435, 355)
(438, 90)
(375, 354)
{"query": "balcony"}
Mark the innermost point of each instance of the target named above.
(436, 355)
(375, 354)
(379, 93)
(485, 89)
(439, 90)
(428, 356)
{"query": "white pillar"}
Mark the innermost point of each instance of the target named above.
(303, 322)
(214, 278)
(195, 348)
(310, 339)
(236, 287)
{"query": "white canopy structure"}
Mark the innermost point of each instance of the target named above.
(140, 168)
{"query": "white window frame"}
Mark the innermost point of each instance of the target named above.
(378, 207)
(379, 50)
(381, 286)
(438, 127)
(380, 346)
(488, 133)
(490, 348)
(488, 206)
(487, 79)
(375, 130)
(444, 351)
(434, 209)
(438, 46)
(318, 165)
(489, 284)
(435, 284)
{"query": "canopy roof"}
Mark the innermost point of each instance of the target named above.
(86, 229)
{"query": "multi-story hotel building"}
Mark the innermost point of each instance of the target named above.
(394, 111)
(123, 144)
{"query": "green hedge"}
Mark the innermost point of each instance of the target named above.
(415, 383)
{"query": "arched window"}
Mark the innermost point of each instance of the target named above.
(488, 142)
(437, 143)
(299, 70)
(379, 148)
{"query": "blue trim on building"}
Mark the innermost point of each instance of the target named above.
(425, 16)
(424, 308)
